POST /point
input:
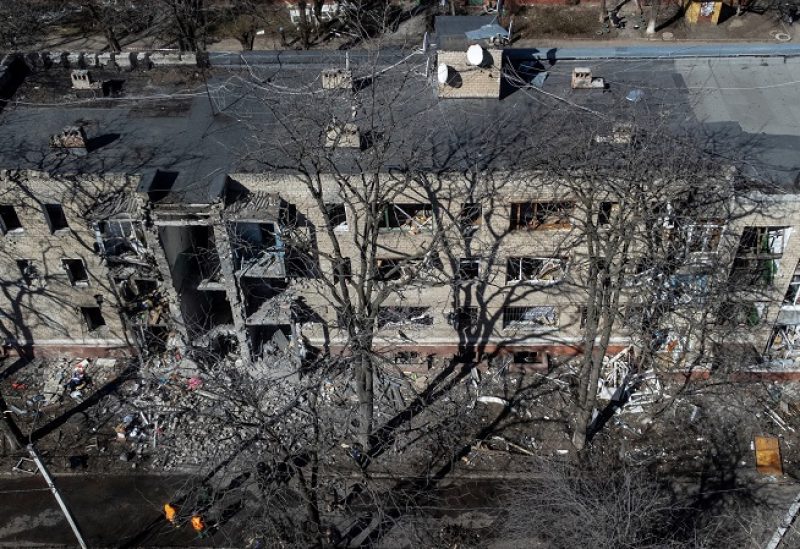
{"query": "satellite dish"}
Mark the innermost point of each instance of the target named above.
(443, 74)
(475, 55)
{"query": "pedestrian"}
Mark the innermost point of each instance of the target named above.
(171, 513)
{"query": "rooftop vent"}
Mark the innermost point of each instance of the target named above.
(474, 75)
(333, 79)
(342, 135)
(71, 137)
(582, 79)
(82, 80)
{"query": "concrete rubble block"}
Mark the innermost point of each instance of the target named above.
(106, 60)
(75, 59)
(50, 59)
(122, 60)
(165, 59)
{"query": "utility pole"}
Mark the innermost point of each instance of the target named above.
(38, 460)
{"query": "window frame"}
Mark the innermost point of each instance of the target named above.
(383, 321)
(520, 323)
(468, 275)
(532, 210)
(83, 282)
(407, 222)
(545, 262)
(90, 321)
(63, 225)
(342, 226)
(12, 211)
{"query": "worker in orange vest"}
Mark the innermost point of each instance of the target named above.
(198, 524)
(171, 513)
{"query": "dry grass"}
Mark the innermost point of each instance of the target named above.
(558, 21)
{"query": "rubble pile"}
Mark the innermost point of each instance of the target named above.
(190, 415)
(46, 387)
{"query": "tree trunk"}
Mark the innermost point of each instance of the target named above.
(305, 33)
(365, 392)
(603, 10)
(111, 38)
(318, 16)
(247, 38)
(651, 24)
(583, 417)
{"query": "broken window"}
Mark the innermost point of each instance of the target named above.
(703, 237)
(529, 357)
(763, 241)
(754, 272)
(688, 289)
(388, 269)
(407, 357)
(404, 316)
(792, 297)
(93, 318)
(605, 212)
(27, 271)
(56, 219)
(120, 236)
(470, 218)
(342, 270)
(741, 313)
(540, 270)
(257, 249)
(76, 270)
(9, 221)
(535, 216)
(785, 341)
(468, 268)
(337, 215)
(413, 218)
(529, 317)
(465, 317)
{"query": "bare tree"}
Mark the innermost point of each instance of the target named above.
(643, 217)
(189, 20)
(117, 19)
(22, 24)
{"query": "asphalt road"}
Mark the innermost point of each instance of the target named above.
(111, 511)
(388, 56)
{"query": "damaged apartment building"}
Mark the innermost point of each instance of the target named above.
(132, 216)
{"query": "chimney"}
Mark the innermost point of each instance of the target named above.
(340, 135)
(582, 79)
(82, 80)
(333, 79)
(71, 138)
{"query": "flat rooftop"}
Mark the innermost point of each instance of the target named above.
(236, 118)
